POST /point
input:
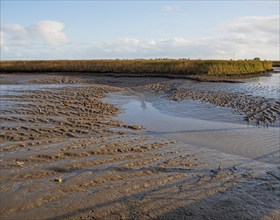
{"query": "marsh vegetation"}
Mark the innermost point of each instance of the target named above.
(142, 67)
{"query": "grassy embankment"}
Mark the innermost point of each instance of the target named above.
(141, 67)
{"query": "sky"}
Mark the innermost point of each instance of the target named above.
(61, 29)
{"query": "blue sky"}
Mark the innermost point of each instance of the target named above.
(139, 29)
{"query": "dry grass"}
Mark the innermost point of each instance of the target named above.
(275, 63)
(178, 67)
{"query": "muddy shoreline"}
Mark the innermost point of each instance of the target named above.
(198, 77)
(257, 110)
(65, 155)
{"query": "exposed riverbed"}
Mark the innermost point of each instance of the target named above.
(201, 125)
(205, 124)
(78, 147)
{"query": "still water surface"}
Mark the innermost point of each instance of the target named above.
(206, 125)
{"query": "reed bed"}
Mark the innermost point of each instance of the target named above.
(177, 67)
(276, 63)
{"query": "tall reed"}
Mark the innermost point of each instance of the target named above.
(178, 67)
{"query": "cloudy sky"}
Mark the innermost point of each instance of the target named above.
(139, 29)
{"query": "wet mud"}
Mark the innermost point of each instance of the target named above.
(66, 155)
(257, 110)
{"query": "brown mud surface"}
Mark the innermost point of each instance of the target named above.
(256, 110)
(64, 155)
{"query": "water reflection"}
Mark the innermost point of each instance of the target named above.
(143, 103)
(264, 86)
(231, 138)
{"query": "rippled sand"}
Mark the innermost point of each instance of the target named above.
(64, 155)
(257, 110)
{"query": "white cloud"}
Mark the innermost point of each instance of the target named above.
(245, 37)
(242, 38)
(252, 36)
(42, 40)
(2, 42)
(47, 33)
(179, 41)
(148, 48)
(247, 30)
(18, 54)
(254, 24)
(168, 8)
(51, 31)
(149, 44)
(12, 29)
(123, 45)
(171, 8)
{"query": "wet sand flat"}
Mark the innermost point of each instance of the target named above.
(189, 122)
(66, 155)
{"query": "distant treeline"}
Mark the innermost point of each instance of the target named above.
(178, 67)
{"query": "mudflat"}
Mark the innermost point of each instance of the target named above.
(66, 155)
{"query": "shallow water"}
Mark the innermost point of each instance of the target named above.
(191, 122)
(193, 109)
(126, 173)
(264, 86)
(203, 125)
(206, 125)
